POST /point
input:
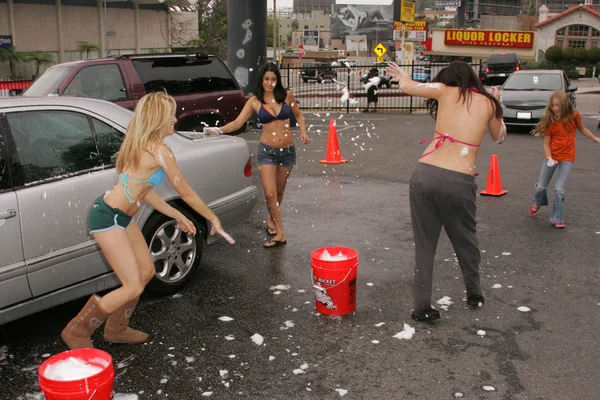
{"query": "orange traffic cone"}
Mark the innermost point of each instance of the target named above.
(333, 147)
(494, 184)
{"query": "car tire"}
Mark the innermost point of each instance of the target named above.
(176, 255)
(388, 84)
(320, 79)
(304, 80)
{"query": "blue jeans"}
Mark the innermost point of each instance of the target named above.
(540, 197)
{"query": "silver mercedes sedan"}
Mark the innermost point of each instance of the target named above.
(56, 158)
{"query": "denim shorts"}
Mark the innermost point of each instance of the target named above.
(282, 156)
(103, 217)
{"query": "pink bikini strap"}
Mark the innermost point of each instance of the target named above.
(440, 141)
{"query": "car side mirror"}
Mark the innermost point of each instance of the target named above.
(572, 88)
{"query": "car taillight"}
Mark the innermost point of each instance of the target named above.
(517, 67)
(248, 169)
(487, 70)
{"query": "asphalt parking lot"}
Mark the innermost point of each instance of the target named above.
(550, 352)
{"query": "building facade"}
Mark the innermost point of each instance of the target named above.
(576, 27)
(124, 27)
(306, 6)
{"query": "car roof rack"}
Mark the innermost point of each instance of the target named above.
(201, 55)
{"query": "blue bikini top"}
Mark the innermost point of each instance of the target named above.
(155, 179)
(265, 116)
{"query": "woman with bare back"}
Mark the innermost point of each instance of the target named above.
(442, 187)
(143, 162)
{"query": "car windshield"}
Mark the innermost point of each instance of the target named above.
(49, 82)
(549, 82)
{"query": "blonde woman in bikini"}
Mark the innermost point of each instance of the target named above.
(442, 187)
(143, 162)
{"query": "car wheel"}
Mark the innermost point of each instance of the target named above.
(320, 79)
(304, 80)
(176, 255)
(388, 84)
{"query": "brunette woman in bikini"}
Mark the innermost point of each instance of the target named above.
(143, 162)
(276, 152)
(442, 187)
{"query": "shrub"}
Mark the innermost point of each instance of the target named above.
(593, 55)
(553, 54)
(572, 73)
(567, 53)
(580, 54)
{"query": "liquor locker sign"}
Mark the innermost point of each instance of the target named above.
(464, 37)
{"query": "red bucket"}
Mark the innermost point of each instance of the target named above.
(95, 387)
(334, 281)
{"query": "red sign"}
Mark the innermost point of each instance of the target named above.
(301, 51)
(469, 37)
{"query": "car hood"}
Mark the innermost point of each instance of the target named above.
(525, 97)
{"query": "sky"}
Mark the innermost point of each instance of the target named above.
(289, 3)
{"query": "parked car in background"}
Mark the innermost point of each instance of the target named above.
(206, 91)
(346, 63)
(525, 94)
(421, 74)
(317, 71)
(56, 158)
(500, 66)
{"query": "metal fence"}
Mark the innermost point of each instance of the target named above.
(342, 88)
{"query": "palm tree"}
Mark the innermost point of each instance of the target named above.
(295, 25)
(86, 47)
(40, 58)
(13, 57)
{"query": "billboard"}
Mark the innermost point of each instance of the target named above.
(311, 38)
(374, 21)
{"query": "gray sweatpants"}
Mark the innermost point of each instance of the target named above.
(441, 197)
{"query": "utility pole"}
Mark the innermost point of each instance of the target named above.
(105, 29)
(246, 40)
(275, 34)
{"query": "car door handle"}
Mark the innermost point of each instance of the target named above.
(6, 214)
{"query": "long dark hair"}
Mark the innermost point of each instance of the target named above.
(460, 74)
(279, 92)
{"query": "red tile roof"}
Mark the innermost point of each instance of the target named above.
(570, 10)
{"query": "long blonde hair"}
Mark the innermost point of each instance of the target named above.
(147, 128)
(567, 112)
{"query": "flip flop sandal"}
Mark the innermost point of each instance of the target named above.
(277, 243)
(271, 231)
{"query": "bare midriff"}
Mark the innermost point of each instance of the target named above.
(277, 134)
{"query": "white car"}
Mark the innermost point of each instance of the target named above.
(56, 158)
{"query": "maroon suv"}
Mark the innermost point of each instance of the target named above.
(206, 91)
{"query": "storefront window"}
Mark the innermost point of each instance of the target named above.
(595, 32)
(559, 42)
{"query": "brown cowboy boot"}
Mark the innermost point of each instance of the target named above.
(117, 328)
(77, 332)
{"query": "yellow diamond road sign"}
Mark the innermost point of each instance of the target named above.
(380, 50)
